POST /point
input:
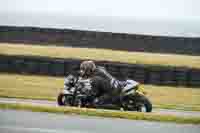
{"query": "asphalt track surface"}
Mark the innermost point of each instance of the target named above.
(12, 121)
(53, 103)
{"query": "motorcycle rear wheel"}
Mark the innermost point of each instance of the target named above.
(138, 103)
(144, 105)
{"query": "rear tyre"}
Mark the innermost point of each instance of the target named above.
(137, 103)
(144, 105)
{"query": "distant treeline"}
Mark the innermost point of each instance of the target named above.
(107, 40)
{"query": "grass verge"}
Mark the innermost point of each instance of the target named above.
(102, 54)
(47, 88)
(103, 113)
(178, 107)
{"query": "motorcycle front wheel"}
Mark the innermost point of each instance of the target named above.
(64, 100)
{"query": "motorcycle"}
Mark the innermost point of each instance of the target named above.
(76, 92)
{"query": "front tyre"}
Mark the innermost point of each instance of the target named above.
(64, 100)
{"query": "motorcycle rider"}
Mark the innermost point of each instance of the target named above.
(105, 88)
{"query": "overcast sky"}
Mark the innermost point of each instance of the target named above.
(156, 17)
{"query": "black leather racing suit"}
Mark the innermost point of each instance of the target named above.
(104, 86)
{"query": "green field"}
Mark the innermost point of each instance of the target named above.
(101, 54)
(44, 87)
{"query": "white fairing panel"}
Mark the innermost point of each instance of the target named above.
(130, 84)
(66, 92)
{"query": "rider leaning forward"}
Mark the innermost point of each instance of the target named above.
(105, 88)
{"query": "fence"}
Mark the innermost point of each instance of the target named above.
(159, 75)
